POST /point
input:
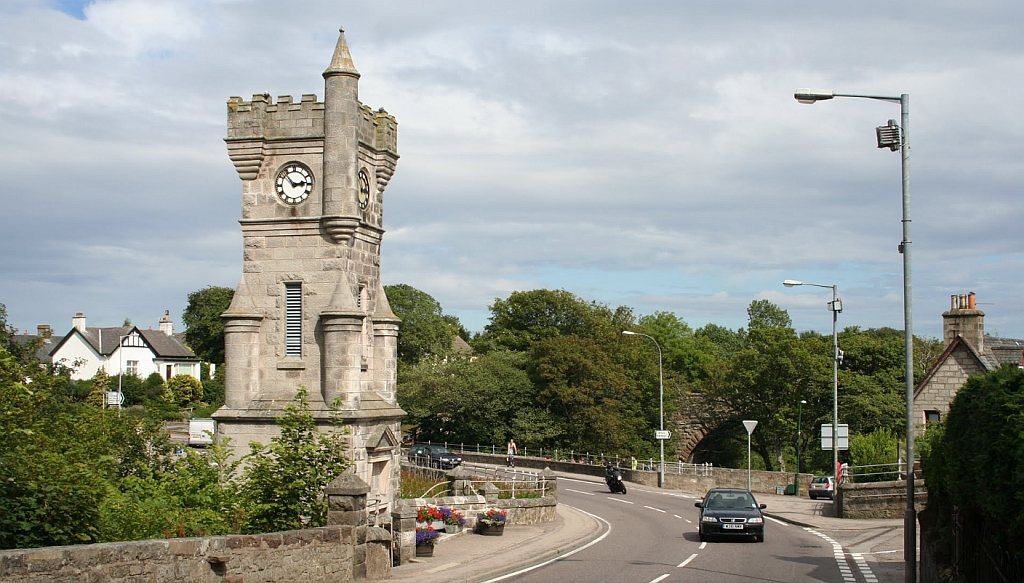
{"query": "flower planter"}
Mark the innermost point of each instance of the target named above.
(490, 529)
(424, 550)
(452, 528)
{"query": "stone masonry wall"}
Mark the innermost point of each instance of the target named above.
(942, 385)
(312, 555)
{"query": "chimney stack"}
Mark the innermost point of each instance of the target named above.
(964, 319)
(165, 323)
(44, 331)
(78, 322)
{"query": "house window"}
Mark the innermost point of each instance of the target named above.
(131, 367)
(186, 368)
(932, 417)
(293, 319)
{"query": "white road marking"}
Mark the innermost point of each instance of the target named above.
(620, 500)
(843, 564)
(777, 521)
(703, 545)
(687, 561)
(579, 491)
(560, 557)
(655, 509)
(659, 578)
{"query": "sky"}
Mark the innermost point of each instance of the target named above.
(646, 154)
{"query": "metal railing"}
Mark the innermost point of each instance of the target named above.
(649, 464)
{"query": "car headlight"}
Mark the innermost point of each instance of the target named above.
(709, 519)
(755, 520)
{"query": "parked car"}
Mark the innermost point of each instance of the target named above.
(435, 456)
(822, 487)
(730, 512)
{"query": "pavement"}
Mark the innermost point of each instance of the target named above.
(470, 558)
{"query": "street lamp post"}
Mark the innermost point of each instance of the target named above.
(889, 137)
(799, 419)
(661, 407)
(836, 306)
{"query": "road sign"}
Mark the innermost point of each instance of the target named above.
(750, 425)
(662, 434)
(826, 436)
(115, 398)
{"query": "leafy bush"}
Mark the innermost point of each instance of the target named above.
(283, 483)
(977, 463)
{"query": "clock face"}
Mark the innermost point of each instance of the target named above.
(294, 183)
(363, 196)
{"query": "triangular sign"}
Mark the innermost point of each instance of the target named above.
(750, 425)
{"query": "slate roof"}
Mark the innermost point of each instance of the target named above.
(105, 340)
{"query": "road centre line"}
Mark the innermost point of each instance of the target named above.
(620, 500)
(655, 509)
(579, 491)
(659, 578)
(687, 561)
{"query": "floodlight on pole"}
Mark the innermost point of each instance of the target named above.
(889, 136)
(661, 407)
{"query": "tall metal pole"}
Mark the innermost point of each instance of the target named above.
(910, 516)
(661, 406)
(835, 387)
(799, 458)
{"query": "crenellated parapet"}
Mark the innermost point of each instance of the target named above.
(251, 124)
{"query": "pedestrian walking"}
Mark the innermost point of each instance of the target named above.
(510, 458)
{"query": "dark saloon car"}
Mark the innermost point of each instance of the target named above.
(730, 512)
(435, 456)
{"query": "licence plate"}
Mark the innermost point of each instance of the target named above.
(732, 526)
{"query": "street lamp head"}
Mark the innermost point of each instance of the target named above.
(803, 402)
(628, 333)
(792, 283)
(812, 95)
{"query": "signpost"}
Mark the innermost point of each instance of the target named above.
(750, 425)
(826, 436)
(662, 434)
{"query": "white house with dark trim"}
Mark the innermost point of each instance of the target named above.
(127, 349)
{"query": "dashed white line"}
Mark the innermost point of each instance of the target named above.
(655, 509)
(620, 500)
(659, 578)
(687, 561)
(579, 491)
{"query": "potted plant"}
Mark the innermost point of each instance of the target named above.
(453, 519)
(426, 536)
(430, 515)
(491, 521)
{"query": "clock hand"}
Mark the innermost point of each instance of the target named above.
(293, 183)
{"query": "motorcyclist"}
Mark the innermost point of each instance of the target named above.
(609, 469)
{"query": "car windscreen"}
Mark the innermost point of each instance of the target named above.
(727, 500)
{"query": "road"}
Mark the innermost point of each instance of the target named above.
(653, 539)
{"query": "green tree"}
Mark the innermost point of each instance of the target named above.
(425, 330)
(283, 483)
(183, 390)
(23, 352)
(874, 449)
(531, 316)
(480, 400)
(204, 329)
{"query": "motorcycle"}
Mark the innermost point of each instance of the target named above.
(614, 480)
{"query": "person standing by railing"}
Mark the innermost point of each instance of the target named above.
(510, 458)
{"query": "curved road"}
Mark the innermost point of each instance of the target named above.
(653, 539)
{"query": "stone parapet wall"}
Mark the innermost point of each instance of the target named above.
(314, 555)
(700, 479)
(878, 499)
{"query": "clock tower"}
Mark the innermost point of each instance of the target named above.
(310, 309)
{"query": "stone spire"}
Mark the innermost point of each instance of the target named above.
(341, 62)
